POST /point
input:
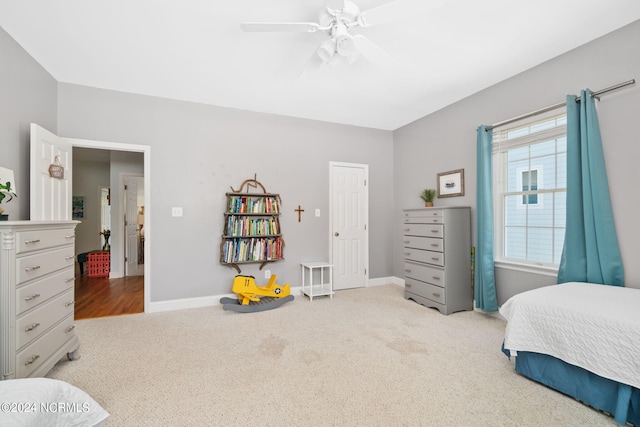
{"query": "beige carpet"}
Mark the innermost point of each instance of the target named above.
(367, 357)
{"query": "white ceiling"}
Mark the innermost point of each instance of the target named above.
(194, 50)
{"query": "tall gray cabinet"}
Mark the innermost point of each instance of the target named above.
(437, 249)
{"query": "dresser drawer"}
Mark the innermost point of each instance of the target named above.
(424, 273)
(425, 230)
(31, 325)
(426, 290)
(38, 292)
(34, 355)
(424, 216)
(418, 242)
(430, 257)
(33, 266)
(27, 241)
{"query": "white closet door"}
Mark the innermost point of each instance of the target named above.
(349, 207)
(50, 196)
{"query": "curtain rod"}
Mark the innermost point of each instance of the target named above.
(560, 104)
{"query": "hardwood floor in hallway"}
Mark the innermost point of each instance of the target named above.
(103, 297)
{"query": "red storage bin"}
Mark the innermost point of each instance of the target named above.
(98, 264)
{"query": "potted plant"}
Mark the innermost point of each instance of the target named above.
(6, 195)
(428, 194)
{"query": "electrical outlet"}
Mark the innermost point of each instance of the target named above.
(267, 274)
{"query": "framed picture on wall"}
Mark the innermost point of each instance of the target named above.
(451, 184)
(77, 204)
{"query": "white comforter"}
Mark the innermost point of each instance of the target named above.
(596, 327)
(36, 402)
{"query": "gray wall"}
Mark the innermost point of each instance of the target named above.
(198, 152)
(88, 178)
(28, 94)
(445, 140)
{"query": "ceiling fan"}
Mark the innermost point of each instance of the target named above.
(338, 20)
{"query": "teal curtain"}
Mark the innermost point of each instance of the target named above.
(485, 283)
(591, 252)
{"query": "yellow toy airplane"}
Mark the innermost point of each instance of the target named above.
(248, 291)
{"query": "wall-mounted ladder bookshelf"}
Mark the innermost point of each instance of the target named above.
(252, 231)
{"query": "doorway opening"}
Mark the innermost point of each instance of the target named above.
(135, 283)
(133, 202)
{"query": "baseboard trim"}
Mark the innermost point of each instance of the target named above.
(386, 280)
(184, 303)
(199, 302)
(213, 300)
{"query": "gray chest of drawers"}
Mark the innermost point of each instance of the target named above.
(37, 266)
(436, 248)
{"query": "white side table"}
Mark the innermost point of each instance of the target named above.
(325, 287)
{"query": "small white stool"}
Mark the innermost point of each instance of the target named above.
(318, 289)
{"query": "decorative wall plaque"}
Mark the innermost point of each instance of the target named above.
(56, 170)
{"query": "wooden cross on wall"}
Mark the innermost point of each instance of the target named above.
(299, 210)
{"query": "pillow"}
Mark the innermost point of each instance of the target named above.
(44, 401)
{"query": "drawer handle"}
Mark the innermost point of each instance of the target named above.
(435, 277)
(69, 303)
(33, 267)
(407, 285)
(70, 279)
(407, 229)
(407, 271)
(434, 245)
(33, 359)
(407, 253)
(70, 236)
(31, 297)
(67, 258)
(69, 329)
(435, 258)
(31, 327)
(27, 242)
(434, 231)
(407, 241)
(435, 294)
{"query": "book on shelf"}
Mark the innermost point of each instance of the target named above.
(252, 249)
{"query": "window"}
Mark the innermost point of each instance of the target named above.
(530, 177)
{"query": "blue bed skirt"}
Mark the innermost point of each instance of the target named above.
(620, 400)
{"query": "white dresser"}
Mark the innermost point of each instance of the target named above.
(437, 253)
(36, 296)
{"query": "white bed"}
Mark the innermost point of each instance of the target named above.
(592, 331)
(47, 402)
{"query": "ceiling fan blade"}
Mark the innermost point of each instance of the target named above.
(293, 27)
(312, 66)
(335, 4)
(374, 53)
(396, 10)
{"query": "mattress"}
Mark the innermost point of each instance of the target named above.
(595, 327)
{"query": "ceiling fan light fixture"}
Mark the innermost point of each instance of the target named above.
(345, 45)
(326, 50)
(338, 20)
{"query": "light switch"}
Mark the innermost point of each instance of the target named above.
(317, 212)
(176, 211)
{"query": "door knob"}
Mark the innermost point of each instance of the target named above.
(336, 234)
